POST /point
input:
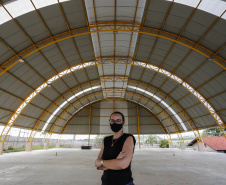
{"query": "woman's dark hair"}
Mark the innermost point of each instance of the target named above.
(117, 112)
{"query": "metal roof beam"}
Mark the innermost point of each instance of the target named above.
(140, 64)
(113, 99)
(107, 27)
(56, 44)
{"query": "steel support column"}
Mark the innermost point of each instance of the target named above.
(90, 108)
(138, 127)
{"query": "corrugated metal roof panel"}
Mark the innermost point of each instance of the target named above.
(84, 45)
(14, 37)
(218, 102)
(32, 111)
(25, 122)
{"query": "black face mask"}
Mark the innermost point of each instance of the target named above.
(116, 127)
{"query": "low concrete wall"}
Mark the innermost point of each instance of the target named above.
(20, 142)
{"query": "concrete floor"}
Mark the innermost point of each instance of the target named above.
(150, 167)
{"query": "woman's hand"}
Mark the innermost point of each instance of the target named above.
(101, 168)
(97, 163)
(121, 155)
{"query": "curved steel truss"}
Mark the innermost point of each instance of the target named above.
(112, 27)
(108, 60)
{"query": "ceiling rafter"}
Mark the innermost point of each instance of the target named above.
(123, 100)
(75, 45)
(139, 35)
(30, 88)
(23, 115)
(28, 66)
(87, 24)
(45, 111)
(131, 38)
(51, 129)
(53, 126)
(66, 124)
(57, 101)
(31, 42)
(39, 122)
(165, 114)
(201, 65)
(177, 106)
(114, 34)
(98, 36)
(191, 75)
(21, 99)
(56, 44)
(107, 60)
(135, 82)
(131, 63)
(195, 89)
(216, 95)
(107, 27)
(156, 40)
(83, 99)
(141, 27)
(186, 56)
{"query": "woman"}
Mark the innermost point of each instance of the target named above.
(116, 154)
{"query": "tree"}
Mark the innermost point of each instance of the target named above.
(150, 140)
(98, 141)
(213, 132)
(164, 143)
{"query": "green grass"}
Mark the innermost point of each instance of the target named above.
(11, 149)
(40, 147)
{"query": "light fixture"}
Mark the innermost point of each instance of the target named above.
(210, 59)
(21, 60)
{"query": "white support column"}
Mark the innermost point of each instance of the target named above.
(28, 147)
(170, 145)
(182, 146)
(46, 146)
(201, 147)
(58, 144)
(1, 148)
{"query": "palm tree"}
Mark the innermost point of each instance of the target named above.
(150, 140)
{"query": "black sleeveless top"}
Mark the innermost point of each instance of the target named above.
(116, 177)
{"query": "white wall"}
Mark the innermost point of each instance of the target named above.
(207, 148)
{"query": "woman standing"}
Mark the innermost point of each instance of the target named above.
(116, 154)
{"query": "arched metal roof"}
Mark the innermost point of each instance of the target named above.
(59, 57)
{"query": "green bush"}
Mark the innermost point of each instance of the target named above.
(11, 148)
(164, 143)
(151, 140)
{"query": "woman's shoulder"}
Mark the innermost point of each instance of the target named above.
(130, 135)
(108, 137)
(127, 134)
